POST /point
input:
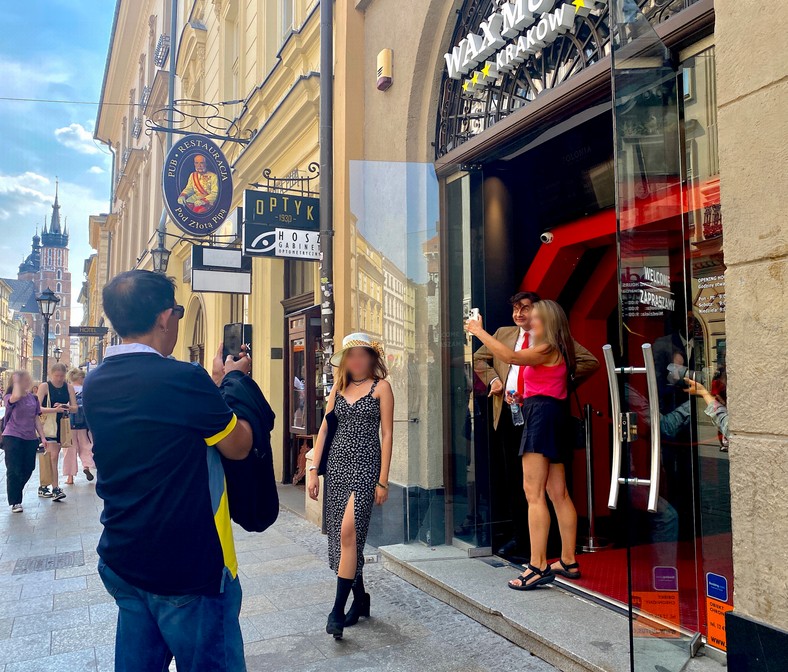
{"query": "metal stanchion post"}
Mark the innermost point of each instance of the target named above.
(591, 543)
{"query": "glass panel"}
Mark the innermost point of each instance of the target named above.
(657, 496)
(393, 288)
(298, 385)
(469, 489)
(708, 312)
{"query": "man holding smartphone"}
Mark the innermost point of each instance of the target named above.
(160, 430)
(502, 379)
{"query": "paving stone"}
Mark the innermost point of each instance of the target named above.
(81, 598)
(41, 588)
(74, 639)
(53, 620)
(253, 605)
(106, 612)
(105, 658)
(77, 661)
(32, 647)
(6, 627)
(305, 563)
(293, 652)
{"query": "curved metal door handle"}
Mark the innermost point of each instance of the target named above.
(656, 446)
(615, 402)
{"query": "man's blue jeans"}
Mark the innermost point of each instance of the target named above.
(201, 631)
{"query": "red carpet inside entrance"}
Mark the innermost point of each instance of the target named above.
(605, 573)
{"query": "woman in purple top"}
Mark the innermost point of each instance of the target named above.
(22, 431)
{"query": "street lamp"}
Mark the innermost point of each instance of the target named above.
(161, 258)
(57, 352)
(47, 303)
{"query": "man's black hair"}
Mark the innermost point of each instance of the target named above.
(533, 297)
(133, 300)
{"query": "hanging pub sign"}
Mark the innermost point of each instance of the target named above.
(281, 225)
(197, 185)
(518, 29)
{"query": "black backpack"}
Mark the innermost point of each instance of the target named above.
(251, 487)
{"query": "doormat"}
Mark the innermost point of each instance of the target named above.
(493, 562)
(43, 563)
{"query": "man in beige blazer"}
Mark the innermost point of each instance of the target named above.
(501, 377)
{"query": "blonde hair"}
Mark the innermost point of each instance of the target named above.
(379, 369)
(75, 375)
(22, 373)
(57, 366)
(556, 331)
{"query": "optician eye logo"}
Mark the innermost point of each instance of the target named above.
(263, 243)
(197, 185)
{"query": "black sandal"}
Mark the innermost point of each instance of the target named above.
(545, 576)
(571, 571)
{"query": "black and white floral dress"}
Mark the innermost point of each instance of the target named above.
(353, 467)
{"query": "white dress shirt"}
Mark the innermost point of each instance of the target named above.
(514, 369)
(129, 348)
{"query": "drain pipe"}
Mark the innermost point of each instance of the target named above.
(327, 187)
(162, 228)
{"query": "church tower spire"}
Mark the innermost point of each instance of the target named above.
(54, 227)
(55, 235)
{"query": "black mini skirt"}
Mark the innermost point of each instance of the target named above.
(544, 431)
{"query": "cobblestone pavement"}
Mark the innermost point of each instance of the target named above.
(56, 615)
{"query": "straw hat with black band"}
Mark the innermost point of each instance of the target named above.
(356, 340)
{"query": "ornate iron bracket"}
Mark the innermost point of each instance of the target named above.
(198, 117)
(294, 183)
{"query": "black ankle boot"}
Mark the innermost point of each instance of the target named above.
(335, 625)
(336, 619)
(359, 608)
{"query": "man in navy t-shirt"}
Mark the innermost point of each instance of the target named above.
(159, 426)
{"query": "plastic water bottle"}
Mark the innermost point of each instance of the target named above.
(517, 413)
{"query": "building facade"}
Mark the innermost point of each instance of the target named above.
(16, 332)
(258, 63)
(520, 146)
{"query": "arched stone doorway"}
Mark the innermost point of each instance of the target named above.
(195, 331)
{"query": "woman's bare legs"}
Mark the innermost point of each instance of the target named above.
(348, 561)
(535, 473)
(564, 511)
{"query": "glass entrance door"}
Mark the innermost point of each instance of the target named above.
(467, 489)
(653, 479)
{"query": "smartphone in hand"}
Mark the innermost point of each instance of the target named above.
(237, 337)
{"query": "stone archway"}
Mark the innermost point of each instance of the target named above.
(194, 332)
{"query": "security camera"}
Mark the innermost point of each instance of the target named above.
(547, 237)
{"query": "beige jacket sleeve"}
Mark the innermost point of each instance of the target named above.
(585, 364)
(483, 365)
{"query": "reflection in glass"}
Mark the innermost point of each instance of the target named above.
(393, 270)
(651, 225)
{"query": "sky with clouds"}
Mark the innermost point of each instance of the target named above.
(55, 50)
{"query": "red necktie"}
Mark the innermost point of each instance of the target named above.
(521, 372)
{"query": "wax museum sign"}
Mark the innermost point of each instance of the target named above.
(197, 185)
(517, 30)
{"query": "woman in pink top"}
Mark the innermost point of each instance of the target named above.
(547, 365)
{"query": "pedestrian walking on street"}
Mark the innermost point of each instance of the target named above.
(357, 468)
(160, 429)
(57, 399)
(81, 443)
(22, 430)
(549, 363)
